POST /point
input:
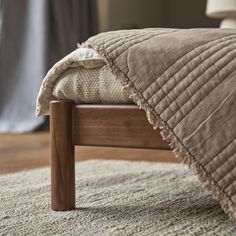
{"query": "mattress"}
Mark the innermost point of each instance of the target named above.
(83, 76)
(95, 85)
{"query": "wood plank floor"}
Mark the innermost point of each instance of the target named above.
(28, 151)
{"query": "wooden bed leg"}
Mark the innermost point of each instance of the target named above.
(62, 156)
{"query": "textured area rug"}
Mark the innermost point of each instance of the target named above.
(113, 198)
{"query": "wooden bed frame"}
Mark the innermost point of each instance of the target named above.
(92, 125)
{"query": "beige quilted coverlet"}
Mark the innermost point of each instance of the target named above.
(186, 82)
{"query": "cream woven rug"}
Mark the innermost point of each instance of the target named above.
(113, 198)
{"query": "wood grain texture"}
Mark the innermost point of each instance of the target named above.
(114, 126)
(62, 156)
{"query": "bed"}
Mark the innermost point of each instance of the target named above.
(91, 109)
(182, 80)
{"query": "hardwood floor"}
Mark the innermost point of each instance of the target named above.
(28, 151)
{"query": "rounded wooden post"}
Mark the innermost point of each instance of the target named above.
(62, 156)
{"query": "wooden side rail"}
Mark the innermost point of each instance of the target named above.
(92, 125)
(114, 126)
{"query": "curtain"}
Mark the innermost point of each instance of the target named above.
(34, 34)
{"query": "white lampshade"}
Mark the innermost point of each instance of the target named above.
(221, 8)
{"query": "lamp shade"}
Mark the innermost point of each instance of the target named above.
(221, 8)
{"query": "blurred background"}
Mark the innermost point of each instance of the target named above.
(35, 34)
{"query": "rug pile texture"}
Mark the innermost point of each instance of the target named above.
(113, 198)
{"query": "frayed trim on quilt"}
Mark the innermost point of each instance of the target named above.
(177, 147)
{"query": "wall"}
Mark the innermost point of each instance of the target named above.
(187, 14)
(126, 14)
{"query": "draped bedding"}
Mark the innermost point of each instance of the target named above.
(90, 86)
(185, 80)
